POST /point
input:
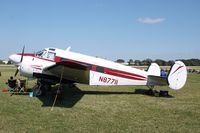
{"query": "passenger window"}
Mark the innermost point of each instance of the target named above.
(100, 69)
(51, 56)
(45, 54)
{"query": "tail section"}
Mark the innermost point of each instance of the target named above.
(177, 76)
(154, 69)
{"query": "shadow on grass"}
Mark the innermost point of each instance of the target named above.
(153, 93)
(70, 96)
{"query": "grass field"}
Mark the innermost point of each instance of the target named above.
(101, 109)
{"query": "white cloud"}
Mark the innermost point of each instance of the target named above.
(150, 20)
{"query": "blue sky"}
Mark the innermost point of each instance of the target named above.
(112, 29)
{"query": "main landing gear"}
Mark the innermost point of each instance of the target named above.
(151, 91)
(41, 88)
(161, 93)
(44, 86)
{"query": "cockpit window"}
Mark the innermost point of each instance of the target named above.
(46, 54)
(40, 53)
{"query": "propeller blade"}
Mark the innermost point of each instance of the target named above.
(20, 61)
(16, 72)
(22, 54)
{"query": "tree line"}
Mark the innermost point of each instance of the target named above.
(2, 62)
(147, 62)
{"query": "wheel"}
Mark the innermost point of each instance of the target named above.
(150, 87)
(37, 90)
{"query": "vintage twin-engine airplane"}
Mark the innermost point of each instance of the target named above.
(53, 65)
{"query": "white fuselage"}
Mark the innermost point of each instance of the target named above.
(112, 74)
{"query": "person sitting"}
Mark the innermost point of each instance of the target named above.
(22, 85)
(18, 85)
(11, 84)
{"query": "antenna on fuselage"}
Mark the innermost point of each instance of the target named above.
(68, 48)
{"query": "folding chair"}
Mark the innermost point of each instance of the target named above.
(12, 85)
(22, 87)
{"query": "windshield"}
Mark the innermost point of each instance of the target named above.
(40, 53)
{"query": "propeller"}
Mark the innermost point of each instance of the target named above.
(16, 72)
(22, 55)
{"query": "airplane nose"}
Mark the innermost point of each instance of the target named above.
(11, 57)
(14, 58)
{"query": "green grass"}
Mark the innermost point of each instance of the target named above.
(101, 109)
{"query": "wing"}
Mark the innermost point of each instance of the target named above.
(73, 71)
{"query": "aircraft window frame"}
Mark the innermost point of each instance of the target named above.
(39, 53)
(46, 54)
(100, 69)
(51, 55)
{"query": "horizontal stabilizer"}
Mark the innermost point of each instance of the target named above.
(156, 80)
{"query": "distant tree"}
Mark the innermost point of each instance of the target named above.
(191, 62)
(161, 62)
(195, 62)
(9, 62)
(130, 62)
(170, 63)
(1, 62)
(147, 62)
(137, 62)
(120, 61)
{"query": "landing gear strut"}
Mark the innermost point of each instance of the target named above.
(151, 91)
(40, 88)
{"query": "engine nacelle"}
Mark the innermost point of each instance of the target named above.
(26, 70)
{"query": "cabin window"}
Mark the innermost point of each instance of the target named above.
(100, 69)
(63, 59)
(45, 54)
(51, 56)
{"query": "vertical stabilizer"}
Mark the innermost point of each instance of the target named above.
(154, 70)
(177, 76)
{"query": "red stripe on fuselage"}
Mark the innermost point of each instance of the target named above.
(123, 74)
(57, 59)
(113, 72)
(27, 54)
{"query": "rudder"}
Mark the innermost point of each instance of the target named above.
(177, 76)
